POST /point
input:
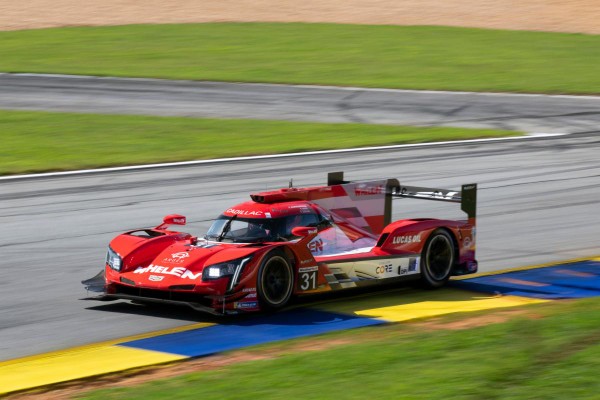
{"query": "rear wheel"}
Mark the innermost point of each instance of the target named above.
(437, 259)
(275, 281)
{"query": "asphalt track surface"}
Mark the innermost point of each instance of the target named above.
(528, 113)
(538, 203)
(538, 198)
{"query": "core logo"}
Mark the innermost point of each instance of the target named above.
(382, 269)
(407, 239)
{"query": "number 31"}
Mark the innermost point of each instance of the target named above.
(308, 280)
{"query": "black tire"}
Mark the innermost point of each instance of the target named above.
(437, 259)
(275, 281)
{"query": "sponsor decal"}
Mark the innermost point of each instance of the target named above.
(244, 212)
(402, 271)
(406, 239)
(308, 269)
(156, 278)
(316, 246)
(177, 258)
(365, 190)
(436, 194)
(245, 304)
(179, 221)
(412, 264)
(251, 293)
(382, 269)
(268, 214)
(305, 262)
(181, 255)
(177, 271)
(467, 242)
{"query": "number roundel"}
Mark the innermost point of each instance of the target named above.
(308, 280)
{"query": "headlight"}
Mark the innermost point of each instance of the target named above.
(229, 268)
(113, 259)
(219, 270)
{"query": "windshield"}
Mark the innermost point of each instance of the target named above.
(257, 230)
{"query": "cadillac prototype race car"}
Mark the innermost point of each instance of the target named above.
(258, 254)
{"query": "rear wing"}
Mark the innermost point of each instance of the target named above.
(467, 196)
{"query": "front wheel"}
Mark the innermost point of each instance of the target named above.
(437, 259)
(275, 281)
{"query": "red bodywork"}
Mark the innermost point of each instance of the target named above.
(340, 237)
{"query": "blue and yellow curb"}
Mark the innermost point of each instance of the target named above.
(82, 362)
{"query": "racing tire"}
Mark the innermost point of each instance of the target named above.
(275, 281)
(437, 259)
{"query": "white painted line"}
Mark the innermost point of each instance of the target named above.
(271, 156)
(341, 88)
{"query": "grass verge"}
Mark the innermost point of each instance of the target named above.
(550, 351)
(418, 57)
(41, 141)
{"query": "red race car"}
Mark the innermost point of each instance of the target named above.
(292, 241)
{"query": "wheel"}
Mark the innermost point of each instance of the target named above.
(275, 282)
(437, 259)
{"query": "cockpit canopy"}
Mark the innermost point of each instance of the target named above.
(239, 229)
(252, 222)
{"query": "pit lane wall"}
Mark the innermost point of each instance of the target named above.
(570, 280)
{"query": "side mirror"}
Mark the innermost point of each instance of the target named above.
(172, 219)
(304, 231)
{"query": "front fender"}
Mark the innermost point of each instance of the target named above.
(138, 249)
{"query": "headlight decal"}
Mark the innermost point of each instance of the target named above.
(236, 275)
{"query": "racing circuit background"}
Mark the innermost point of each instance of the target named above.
(538, 195)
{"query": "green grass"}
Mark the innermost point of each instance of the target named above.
(553, 352)
(40, 141)
(331, 54)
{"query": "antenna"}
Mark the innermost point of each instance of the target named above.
(291, 185)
